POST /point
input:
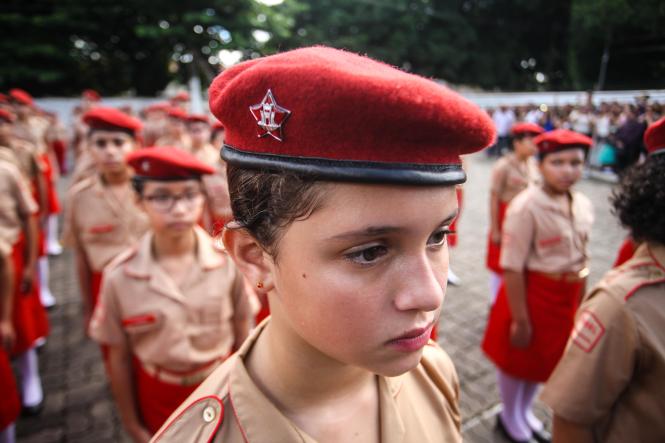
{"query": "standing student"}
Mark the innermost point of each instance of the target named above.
(608, 386)
(192, 312)
(544, 262)
(101, 219)
(342, 174)
(510, 176)
(175, 131)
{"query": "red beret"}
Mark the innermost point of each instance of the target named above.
(217, 126)
(560, 139)
(159, 106)
(111, 119)
(341, 116)
(526, 129)
(21, 96)
(654, 137)
(167, 163)
(91, 95)
(6, 116)
(181, 97)
(177, 113)
(198, 118)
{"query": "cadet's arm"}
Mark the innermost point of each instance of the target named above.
(84, 272)
(7, 336)
(30, 252)
(123, 388)
(565, 431)
(520, 329)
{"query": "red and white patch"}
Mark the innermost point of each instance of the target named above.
(588, 331)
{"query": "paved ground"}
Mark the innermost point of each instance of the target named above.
(78, 403)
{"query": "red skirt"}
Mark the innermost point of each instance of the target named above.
(626, 252)
(552, 305)
(494, 249)
(10, 403)
(452, 238)
(95, 287)
(156, 399)
(59, 148)
(53, 202)
(28, 316)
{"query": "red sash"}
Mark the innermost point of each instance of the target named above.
(494, 249)
(10, 403)
(552, 305)
(28, 316)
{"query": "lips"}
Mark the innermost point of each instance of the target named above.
(413, 340)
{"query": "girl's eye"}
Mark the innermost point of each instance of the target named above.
(367, 256)
(438, 238)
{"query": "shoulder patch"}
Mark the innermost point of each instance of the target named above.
(198, 422)
(588, 331)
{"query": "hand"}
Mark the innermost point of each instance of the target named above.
(27, 279)
(7, 335)
(495, 236)
(520, 333)
(139, 434)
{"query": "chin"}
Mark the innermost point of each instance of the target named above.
(399, 365)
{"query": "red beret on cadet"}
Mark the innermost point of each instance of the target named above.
(6, 116)
(193, 118)
(341, 116)
(181, 97)
(526, 129)
(21, 96)
(217, 126)
(111, 119)
(177, 113)
(654, 137)
(561, 139)
(166, 163)
(91, 95)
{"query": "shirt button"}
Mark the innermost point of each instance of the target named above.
(208, 414)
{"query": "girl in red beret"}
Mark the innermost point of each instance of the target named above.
(544, 259)
(172, 308)
(342, 174)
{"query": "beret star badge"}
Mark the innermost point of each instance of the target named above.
(270, 117)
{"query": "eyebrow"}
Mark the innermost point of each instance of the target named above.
(373, 231)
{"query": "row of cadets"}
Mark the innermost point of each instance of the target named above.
(101, 219)
(18, 228)
(192, 312)
(175, 131)
(544, 263)
(510, 176)
(608, 386)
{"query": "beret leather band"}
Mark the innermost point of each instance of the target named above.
(349, 170)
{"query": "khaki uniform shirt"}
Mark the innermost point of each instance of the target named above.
(176, 328)
(612, 376)
(85, 167)
(538, 235)
(419, 406)
(16, 202)
(510, 176)
(100, 224)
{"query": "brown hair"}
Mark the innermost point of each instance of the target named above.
(265, 202)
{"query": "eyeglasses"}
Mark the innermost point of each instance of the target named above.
(166, 202)
(116, 141)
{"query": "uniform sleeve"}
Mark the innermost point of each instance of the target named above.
(25, 204)
(69, 230)
(517, 236)
(106, 323)
(598, 362)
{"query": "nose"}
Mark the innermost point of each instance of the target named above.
(422, 285)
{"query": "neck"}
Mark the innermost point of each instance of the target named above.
(197, 145)
(296, 376)
(116, 177)
(167, 244)
(522, 158)
(553, 192)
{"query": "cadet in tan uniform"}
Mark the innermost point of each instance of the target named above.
(510, 176)
(101, 219)
(191, 313)
(175, 133)
(608, 386)
(544, 259)
(322, 145)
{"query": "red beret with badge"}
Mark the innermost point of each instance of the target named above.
(525, 128)
(111, 119)
(198, 118)
(21, 96)
(341, 116)
(561, 139)
(6, 116)
(654, 137)
(166, 163)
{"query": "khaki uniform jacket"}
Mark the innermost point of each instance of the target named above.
(16, 202)
(174, 328)
(538, 235)
(100, 224)
(419, 406)
(510, 176)
(612, 375)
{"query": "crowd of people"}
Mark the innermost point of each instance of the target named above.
(274, 293)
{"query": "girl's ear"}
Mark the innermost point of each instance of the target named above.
(250, 258)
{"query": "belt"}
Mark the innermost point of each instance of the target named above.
(182, 378)
(570, 277)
